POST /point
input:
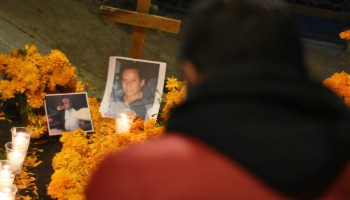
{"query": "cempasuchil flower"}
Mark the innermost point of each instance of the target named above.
(339, 83)
(26, 72)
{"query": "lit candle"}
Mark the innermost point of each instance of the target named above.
(6, 177)
(123, 124)
(16, 157)
(20, 140)
(6, 196)
(8, 192)
(5, 164)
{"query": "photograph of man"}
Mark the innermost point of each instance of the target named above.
(131, 92)
(133, 84)
(67, 112)
(65, 116)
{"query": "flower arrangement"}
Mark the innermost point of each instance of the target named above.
(81, 152)
(174, 97)
(26, 72)
(339, 83)
(345, 35)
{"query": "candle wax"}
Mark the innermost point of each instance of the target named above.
(20, 141)
(6, 177)
(5, 196)
(17, 158)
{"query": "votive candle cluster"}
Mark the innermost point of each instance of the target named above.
(16, 152)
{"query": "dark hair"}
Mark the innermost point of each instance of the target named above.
(147, 70)
(141, 75)
(225, 35)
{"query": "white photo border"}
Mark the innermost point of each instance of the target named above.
(113, 69)
(61, 96)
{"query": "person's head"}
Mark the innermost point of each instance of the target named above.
(84, 118)
(222, 36)
(66, 103)
(132, 82)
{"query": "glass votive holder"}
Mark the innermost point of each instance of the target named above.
(6, 164)
(16, 156)
(6, 173)
(21, 137)
(123, 120)
(8, 192)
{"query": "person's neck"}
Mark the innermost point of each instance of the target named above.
(130, 99)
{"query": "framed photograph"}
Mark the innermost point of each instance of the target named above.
(135, 84)
(68, 112)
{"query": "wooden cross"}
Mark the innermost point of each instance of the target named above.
(141, 20)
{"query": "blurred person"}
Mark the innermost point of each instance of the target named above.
(254, 125)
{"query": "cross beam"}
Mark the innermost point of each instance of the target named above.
(141, 21)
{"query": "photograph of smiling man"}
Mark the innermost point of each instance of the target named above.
(135, 84)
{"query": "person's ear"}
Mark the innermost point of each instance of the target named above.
(190, 73)
(142, 82)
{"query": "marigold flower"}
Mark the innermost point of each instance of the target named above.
(345, 35)
(171, 83)
(338, 83)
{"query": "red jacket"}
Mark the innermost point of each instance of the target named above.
(179, 168)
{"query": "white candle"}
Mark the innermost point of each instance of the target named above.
(6, 196)
(7, 193)
(7, 165)
(6, 177)
(123, 125)
(20, 140)
(17, 158)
